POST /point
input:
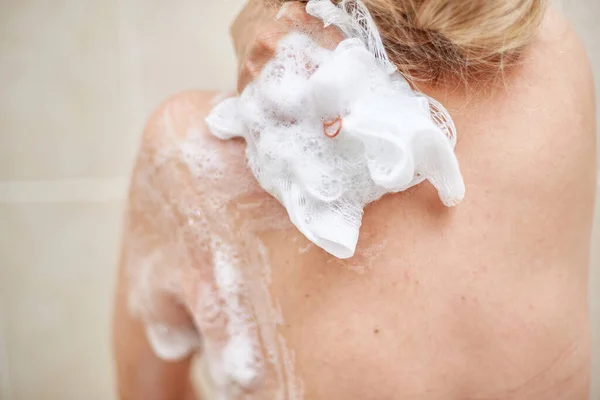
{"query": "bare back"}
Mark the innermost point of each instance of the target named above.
(483, 301)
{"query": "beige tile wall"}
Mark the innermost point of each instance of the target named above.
(77, 80)
(58, 260)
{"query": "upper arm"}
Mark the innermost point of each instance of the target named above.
(153, 258)
(141, 374)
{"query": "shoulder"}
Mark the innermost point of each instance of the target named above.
(176, 131)
(559, 94)
(539, 125)
(179, 157)
(532, 139)
(559, 73)
(559, 42)
(178, 113)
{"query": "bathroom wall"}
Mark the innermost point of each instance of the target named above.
(77, 80)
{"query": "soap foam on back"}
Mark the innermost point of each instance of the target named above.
(385, 139)
(202, 259)
(192, 189)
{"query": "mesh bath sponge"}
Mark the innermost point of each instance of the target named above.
(328, 132)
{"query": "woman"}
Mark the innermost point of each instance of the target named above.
(486, 300)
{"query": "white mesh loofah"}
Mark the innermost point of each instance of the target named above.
(329, 131)
(353, 19)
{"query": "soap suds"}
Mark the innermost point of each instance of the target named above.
(241, 356)
(189, 236)
(327, 141)
(219, 97)
(196, 213)
(287, 385)
(172, 344)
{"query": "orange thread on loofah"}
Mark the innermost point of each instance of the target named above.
(329, 124)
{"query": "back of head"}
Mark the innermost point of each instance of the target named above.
(455, 40)
(436, 40)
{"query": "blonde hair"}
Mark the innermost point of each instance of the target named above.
(455, 40)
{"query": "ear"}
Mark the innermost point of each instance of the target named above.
(223, 120)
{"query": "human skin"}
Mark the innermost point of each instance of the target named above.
(487, 300)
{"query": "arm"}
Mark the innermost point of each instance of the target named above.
(141, 375)
(151, 252)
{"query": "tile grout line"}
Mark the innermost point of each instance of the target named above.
(64, 190)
